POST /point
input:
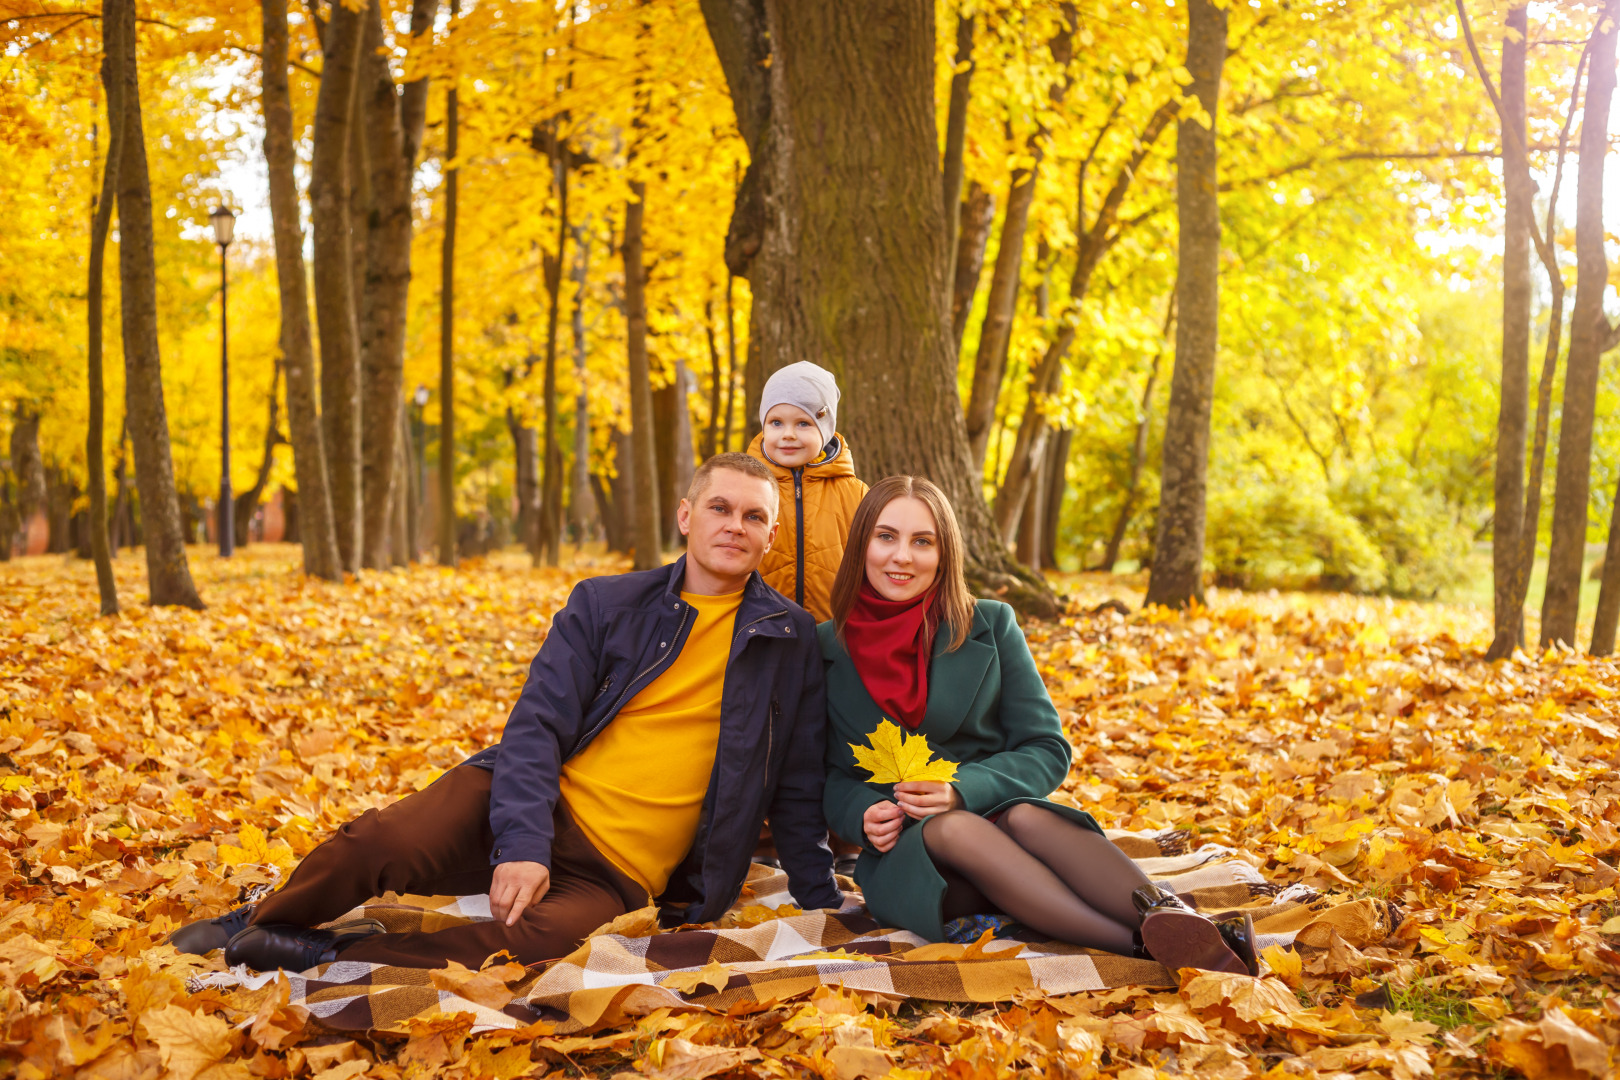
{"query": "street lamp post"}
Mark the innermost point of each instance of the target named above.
(224, 223)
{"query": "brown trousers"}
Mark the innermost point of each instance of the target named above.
(437, 843)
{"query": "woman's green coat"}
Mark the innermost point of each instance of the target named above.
(989, 711)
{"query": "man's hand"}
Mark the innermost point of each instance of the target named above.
(882, 824)
(920, 798)
(517, 886)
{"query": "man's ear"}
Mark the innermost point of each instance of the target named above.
(770, 537)
(683, 517)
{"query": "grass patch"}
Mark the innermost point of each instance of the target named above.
(1446, 1009)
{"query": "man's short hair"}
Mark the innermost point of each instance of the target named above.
(736, 462)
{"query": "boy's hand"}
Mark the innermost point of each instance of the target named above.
(882, 824)
(516, 887)
(920, 798)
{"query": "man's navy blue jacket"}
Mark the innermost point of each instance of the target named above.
(614, 637)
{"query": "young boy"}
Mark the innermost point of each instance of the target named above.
(812, 462)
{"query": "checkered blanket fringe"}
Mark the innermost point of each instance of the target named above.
(761, 950)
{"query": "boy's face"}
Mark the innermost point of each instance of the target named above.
(791, 436)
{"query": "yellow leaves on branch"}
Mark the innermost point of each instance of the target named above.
(895, 757)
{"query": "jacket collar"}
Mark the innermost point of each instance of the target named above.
(839, 462)
(954, 678)
(759, 600)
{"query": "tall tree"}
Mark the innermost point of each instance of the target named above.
(167, 569)
(316, 531)
(582, 516)
(551, 459)
(1513, 417)
(1588, 331)
(1178, 559)
(114, 51)
(645, 530)
(393, 134)
(1127, 506)
(956, 133)
(336, 313)
(842, 210)
(447, 326)
(975, 217)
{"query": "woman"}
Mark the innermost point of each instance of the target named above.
(907, 642)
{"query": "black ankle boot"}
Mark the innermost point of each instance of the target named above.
(268, 946)
(1238, 932)
(206, 935)
(1177, 936)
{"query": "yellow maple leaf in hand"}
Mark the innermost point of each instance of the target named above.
(897, 758)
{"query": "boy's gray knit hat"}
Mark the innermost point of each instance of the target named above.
(809, 387)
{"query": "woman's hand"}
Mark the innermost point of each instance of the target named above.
(920, 798)
(882, 824)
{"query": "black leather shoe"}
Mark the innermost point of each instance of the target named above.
(1177, 936)
(1238, 932)
(268, 946)
(206, 935)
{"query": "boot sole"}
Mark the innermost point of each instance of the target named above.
(1179, 939)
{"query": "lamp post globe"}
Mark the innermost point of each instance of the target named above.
(224, 223)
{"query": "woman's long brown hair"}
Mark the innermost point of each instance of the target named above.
(953, 604)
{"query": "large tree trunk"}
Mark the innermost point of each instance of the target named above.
(336, 308)
(393, 133)
(975, 217)
(316, 531)
(1509, 522)
(849, 266)
(1588, 329)
(990, 362)
(956, 134)
(117, 35)
(168, 571)
(447, 323)
(645, 532)
(1178, 556)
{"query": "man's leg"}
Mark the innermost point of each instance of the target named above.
(586, 891)
(431, 842)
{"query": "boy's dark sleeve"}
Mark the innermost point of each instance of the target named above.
(545, 721)
(797, 824)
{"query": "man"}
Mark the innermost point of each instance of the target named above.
(666, 715)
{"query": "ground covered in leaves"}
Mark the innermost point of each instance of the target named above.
(156, 765)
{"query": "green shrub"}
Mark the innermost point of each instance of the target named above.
(1422, 544)
(1275, 536)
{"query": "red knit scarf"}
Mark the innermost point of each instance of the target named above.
(891, 642)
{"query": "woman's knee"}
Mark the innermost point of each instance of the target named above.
(1021, 819)
(953, 828)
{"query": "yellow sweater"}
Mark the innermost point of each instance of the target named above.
(637, 790)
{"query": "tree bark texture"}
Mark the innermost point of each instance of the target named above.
(1512, 418)
(851, 268)
(1178, 557)
(645, 528)
(731, 363)
(975, 217)
(956, 134)
(1057, 484)
(168, 571)
(990, 362)
(525, 478)
(550, 524)
(582, 516)
(117, 33)
(316, 532)
(447, 324)
(393, 132)
(336, 306)
(1587, 331)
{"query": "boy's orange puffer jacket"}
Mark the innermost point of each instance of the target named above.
(818, 505)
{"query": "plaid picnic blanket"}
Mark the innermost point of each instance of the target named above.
(765, 949)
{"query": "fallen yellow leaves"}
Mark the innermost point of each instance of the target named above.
(1463, 818)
